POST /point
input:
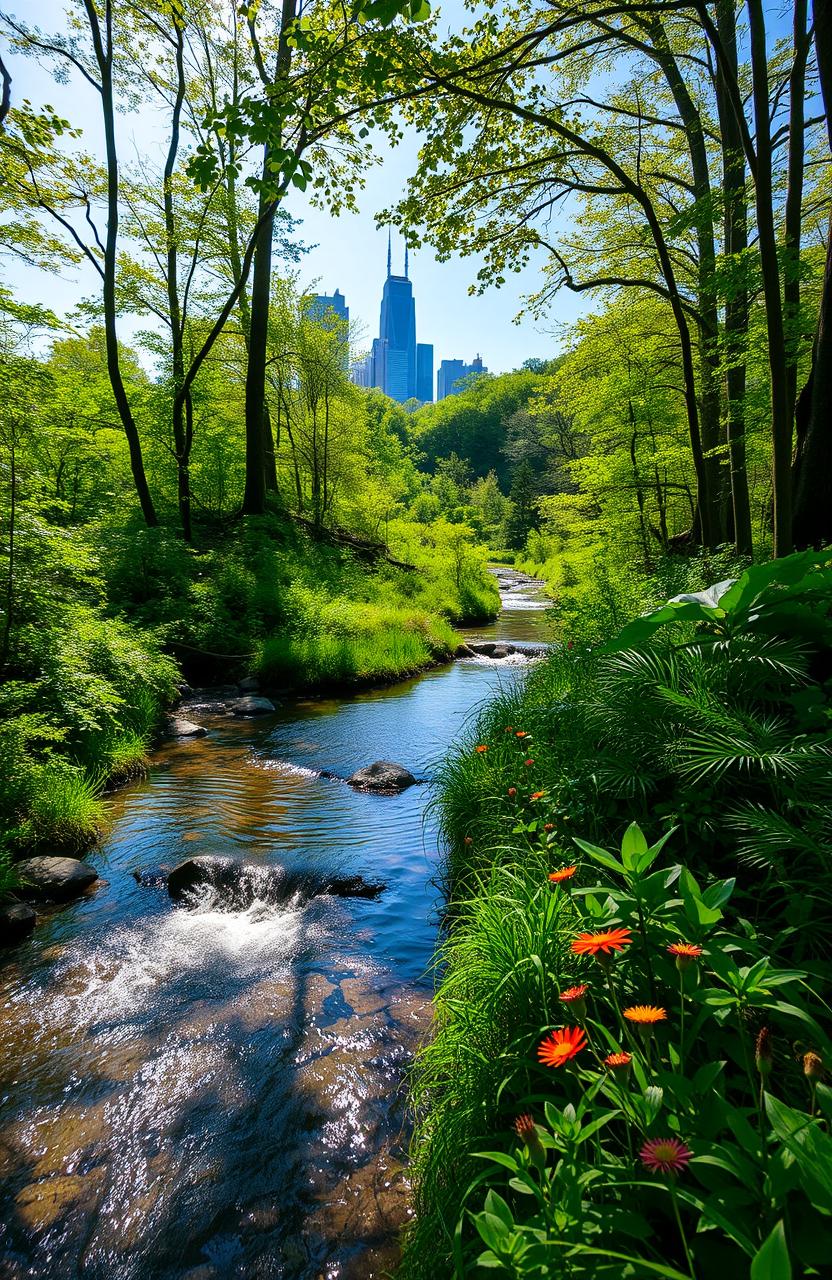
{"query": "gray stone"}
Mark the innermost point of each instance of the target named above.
(17, 920)
(54, 879)
(249, 685)
(182, 728)
(464, 651)
(384, 776)
(205, 869)
(252, 706)
(492, 648)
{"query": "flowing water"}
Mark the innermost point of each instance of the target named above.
(192, 1092)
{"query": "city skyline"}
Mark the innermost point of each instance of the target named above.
(396, 363)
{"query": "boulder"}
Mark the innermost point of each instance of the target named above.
(249, 705)
(384, 776)
(492, 648)
(54, 879)
(182, 728)
(238, 884)
(205, 869)
(17, 920)
(249, 685)
(464, 651)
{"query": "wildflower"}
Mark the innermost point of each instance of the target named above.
(528, 763)
(665, 1155)
(537, 795)
(521, 733)
(812, 1066)
(469, 840)
(575, 997)
(509, 729)
(645, 1014)
(526, 1130)
(563, 873)
(607, 941)
(512, 791)
(481, 748)
(618, 1061)
(685, 953)
(570, 644)
(561, 1046)
(548, 826)
(763, 1053)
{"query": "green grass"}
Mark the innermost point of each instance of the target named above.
(361, 644)
(64, 810)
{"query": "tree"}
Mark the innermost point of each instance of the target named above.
(523, 514)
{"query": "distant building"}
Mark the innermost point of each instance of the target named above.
(451, 373)
(318, 307)
(424, 371)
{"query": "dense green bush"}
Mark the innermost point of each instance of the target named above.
(710, 719)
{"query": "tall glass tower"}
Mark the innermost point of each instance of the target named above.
(397, 329)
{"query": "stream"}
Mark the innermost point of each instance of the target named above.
(197, 1093)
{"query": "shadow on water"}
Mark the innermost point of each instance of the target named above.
(194, 1093)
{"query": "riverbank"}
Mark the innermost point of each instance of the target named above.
(92, 678)
(636, 980)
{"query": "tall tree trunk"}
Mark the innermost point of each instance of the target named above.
(708, 329)
(794, 202)
(736, 305)
(813, 462)
(181, 433)
(781, 418)
(103, 47)
(254, 498)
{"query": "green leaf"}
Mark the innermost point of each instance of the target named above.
(633, 846)
(771, 1261)
(606, 859)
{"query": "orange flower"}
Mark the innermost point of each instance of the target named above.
(689, 949)
(813, 1065)
(590, 944)
(512, 791)
(618, 1061)
(521, 733)
(537, 795)
(528, 763)
(561, 1046)
(563, 873)
(645, 1014)
(469, 840)
(665, 1155)
(574, 993)
(548, 826)
(482, 747)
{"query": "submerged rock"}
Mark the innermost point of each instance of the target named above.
(384, 776)
(464, 651)
(182, 728)
(238, 884)
(17, 920)
(55, 879)
(252, 706)
(492, 648)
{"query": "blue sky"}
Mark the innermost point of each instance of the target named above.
(349, 254)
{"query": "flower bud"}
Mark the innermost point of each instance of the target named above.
(526, 1130)
(812, 1066)
(763, 1052)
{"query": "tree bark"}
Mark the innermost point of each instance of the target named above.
(736, 304)
(254, 498)
(813, 462)
(781, 418)
(104, 59)
(794, 202)
(181, 435)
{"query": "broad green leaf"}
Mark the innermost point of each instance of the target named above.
(771, 1261)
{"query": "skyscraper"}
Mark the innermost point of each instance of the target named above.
(322, 303)
(397, 328)
(424, 371)
(451, 372)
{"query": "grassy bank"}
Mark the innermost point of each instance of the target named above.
(117, 613)
(677, 787)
